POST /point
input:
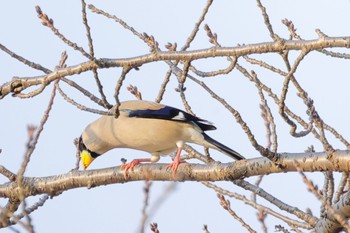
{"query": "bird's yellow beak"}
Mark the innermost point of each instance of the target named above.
(86, 158)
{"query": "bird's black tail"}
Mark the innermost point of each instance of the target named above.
(226, 150)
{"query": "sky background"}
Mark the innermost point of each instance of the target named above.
(117, 208)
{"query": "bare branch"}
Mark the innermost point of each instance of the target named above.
(275, 201)
(257, 206)
(227, 206)
(20, 84)
(79, 106)
(340, 191)
(146, 190)
(213, 172)
(46, 21)
(327, 206)
(11, 176)
(24, 61)
(133, 90)
(121, 79)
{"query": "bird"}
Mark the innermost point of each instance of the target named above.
(147, 126)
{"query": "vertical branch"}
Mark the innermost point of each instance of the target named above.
(341, 187)
(37, 134)
(144, 218)
(181, 88)
(163, 86)
(329, 191)
(121, 79)
(92, 53)
(284, 95)
(189, 40)
(30, 149)
(267, 116)
(32, 142)
(266, 19)
(87, 28)
(197, 25)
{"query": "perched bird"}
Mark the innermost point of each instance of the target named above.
(147, 126)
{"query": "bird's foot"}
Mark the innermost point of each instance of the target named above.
(130, 166)
(174, 165)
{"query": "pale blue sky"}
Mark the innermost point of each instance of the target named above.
(117, 208)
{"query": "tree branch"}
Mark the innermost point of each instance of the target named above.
(20, 84)
(215, 171)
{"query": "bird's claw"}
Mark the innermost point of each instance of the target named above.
(129, 166)
(174, 165)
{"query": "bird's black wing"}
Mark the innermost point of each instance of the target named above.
(172, 114)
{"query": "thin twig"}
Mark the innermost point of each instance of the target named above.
(195, 29)
(284, 95)
(269, 121)
(11, 176)
(167, 191)
(341, 187)
(84, 91)
(79, 106)
(92, 53)
(240, 121)
(258, 206)
(121, 79)
(30, 149)
(227, 206)
(163, 86)
(134, 90)
(145, 216)
(31, 209)
(275, 201)
(312, 188)
(227, 70)
(46, 21)
(266, 20)
(25, 61)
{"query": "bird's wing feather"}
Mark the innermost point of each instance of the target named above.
(145, 109)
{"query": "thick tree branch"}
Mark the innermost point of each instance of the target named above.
(215, 171)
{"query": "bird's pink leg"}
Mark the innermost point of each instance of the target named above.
(132, 164)
(173, 166)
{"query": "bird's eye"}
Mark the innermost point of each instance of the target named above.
(81, 144)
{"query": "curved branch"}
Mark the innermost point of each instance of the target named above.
(20, 84)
